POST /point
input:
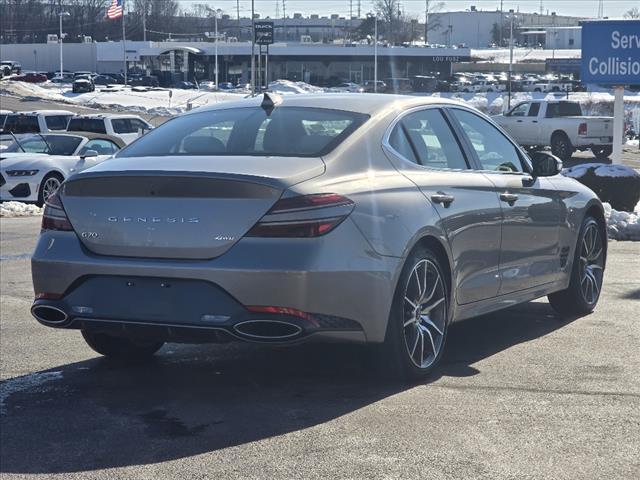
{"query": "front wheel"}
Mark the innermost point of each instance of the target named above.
(120, 348)
(561, 146)
(50, 184)
(582, 295)
(419, 319)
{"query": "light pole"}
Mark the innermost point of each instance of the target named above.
(61, 14)
(375, 51)
(511, 12)
(215, 17)
(555, 33)
(253, 47)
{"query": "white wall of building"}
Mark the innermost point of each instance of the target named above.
(563, 37)
(45, 57)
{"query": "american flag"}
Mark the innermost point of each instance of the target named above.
(115, 9)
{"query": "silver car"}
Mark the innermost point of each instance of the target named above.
(372, 219)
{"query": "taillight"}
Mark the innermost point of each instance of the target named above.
(582, 129)
(54, 216)
(303, 216)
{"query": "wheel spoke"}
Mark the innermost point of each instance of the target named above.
(594, 281)
(432, 306)
(413, 350)
(433, 291)
(406, 299)
(421, 347)
(418, 282)
(433, 345)
(408, 322)
(429, 322)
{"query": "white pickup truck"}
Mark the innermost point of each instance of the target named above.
(559, 124)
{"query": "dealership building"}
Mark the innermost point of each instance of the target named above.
(315, 63)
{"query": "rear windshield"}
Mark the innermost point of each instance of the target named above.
(287, 131)
(22, 124)
(94, 125)
(49, 144)
(563, 109)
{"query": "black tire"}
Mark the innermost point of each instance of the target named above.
(561, 146)
(120, 348)
(575, 301)
(602, 153)
(394, 358)
(44, 190)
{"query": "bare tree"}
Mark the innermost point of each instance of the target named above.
(633, 13)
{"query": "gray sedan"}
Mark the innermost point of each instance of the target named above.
(373, 219)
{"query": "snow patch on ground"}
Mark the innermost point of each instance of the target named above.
(19, 209)
(501, 55)
(33, 382)
(622, 225)
(633, 143)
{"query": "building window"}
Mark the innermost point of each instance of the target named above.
(571, 42)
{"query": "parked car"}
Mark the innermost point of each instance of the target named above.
(185, 85)
(83, 84)
(38, 121)
(559, 124)
(104, 80)
(84, 73)
(226, 86)
(403, 216)
(423, 83)
(369, 86)
(125, 127)
(30, 77)
(66, 77)
(34, 166)
(398, 85)
(118, 77)
(10, 66)
(350, 87)
(143, 81)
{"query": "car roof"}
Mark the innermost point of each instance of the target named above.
(46, 112)
(368, 103)
(106, 115)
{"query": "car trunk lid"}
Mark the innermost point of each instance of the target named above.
(160, 211)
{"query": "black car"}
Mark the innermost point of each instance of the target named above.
(144, 81)
(104, 80)
(83, 84)
(185, 85)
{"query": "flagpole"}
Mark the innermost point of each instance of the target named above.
(124, 47)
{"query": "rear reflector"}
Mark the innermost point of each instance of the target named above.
(54, 216)
(303, 216)
(48, 296)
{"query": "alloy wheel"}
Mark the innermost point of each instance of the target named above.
(591, 264)
(50, 187)
(424, 314)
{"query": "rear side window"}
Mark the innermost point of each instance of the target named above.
(287, 131)
(426, 136)
(122, 125)
(94, 125)
(534, 110)
(56, 122)
(22, 124)
(563, 109)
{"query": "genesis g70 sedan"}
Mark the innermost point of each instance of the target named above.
(374, 219)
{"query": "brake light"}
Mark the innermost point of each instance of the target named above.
(303, 216)
(582, 129)
(54, 216)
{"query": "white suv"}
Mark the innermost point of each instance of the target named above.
(125, 127)
(39, 121)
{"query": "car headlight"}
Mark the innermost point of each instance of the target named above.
(22, 173)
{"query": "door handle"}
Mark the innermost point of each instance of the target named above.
(509, 198)
(535, 121)
(443, 199)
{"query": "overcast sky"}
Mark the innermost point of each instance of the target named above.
(612, 8)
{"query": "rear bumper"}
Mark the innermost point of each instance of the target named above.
(337, 277)
(588, 142)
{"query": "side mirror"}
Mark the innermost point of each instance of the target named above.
(545, 164)
(88, 153)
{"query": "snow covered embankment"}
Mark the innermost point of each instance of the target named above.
(622, 225)
(18, 209)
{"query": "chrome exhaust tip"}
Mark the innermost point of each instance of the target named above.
(49, 315)
(267, 330)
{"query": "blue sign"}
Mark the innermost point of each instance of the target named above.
(611, 52)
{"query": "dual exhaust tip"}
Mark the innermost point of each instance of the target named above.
(255, 330)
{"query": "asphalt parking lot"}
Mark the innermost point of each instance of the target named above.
(520, 395)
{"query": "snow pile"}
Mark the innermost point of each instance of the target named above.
(19, 209)
(153, 101)
(622, 225)
(286, 86)
(599, 169)
(501, 55)
(633, 143)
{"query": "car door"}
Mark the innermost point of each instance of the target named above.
(531, 207)
(428, 152)
(515, 122)
(530, 125)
